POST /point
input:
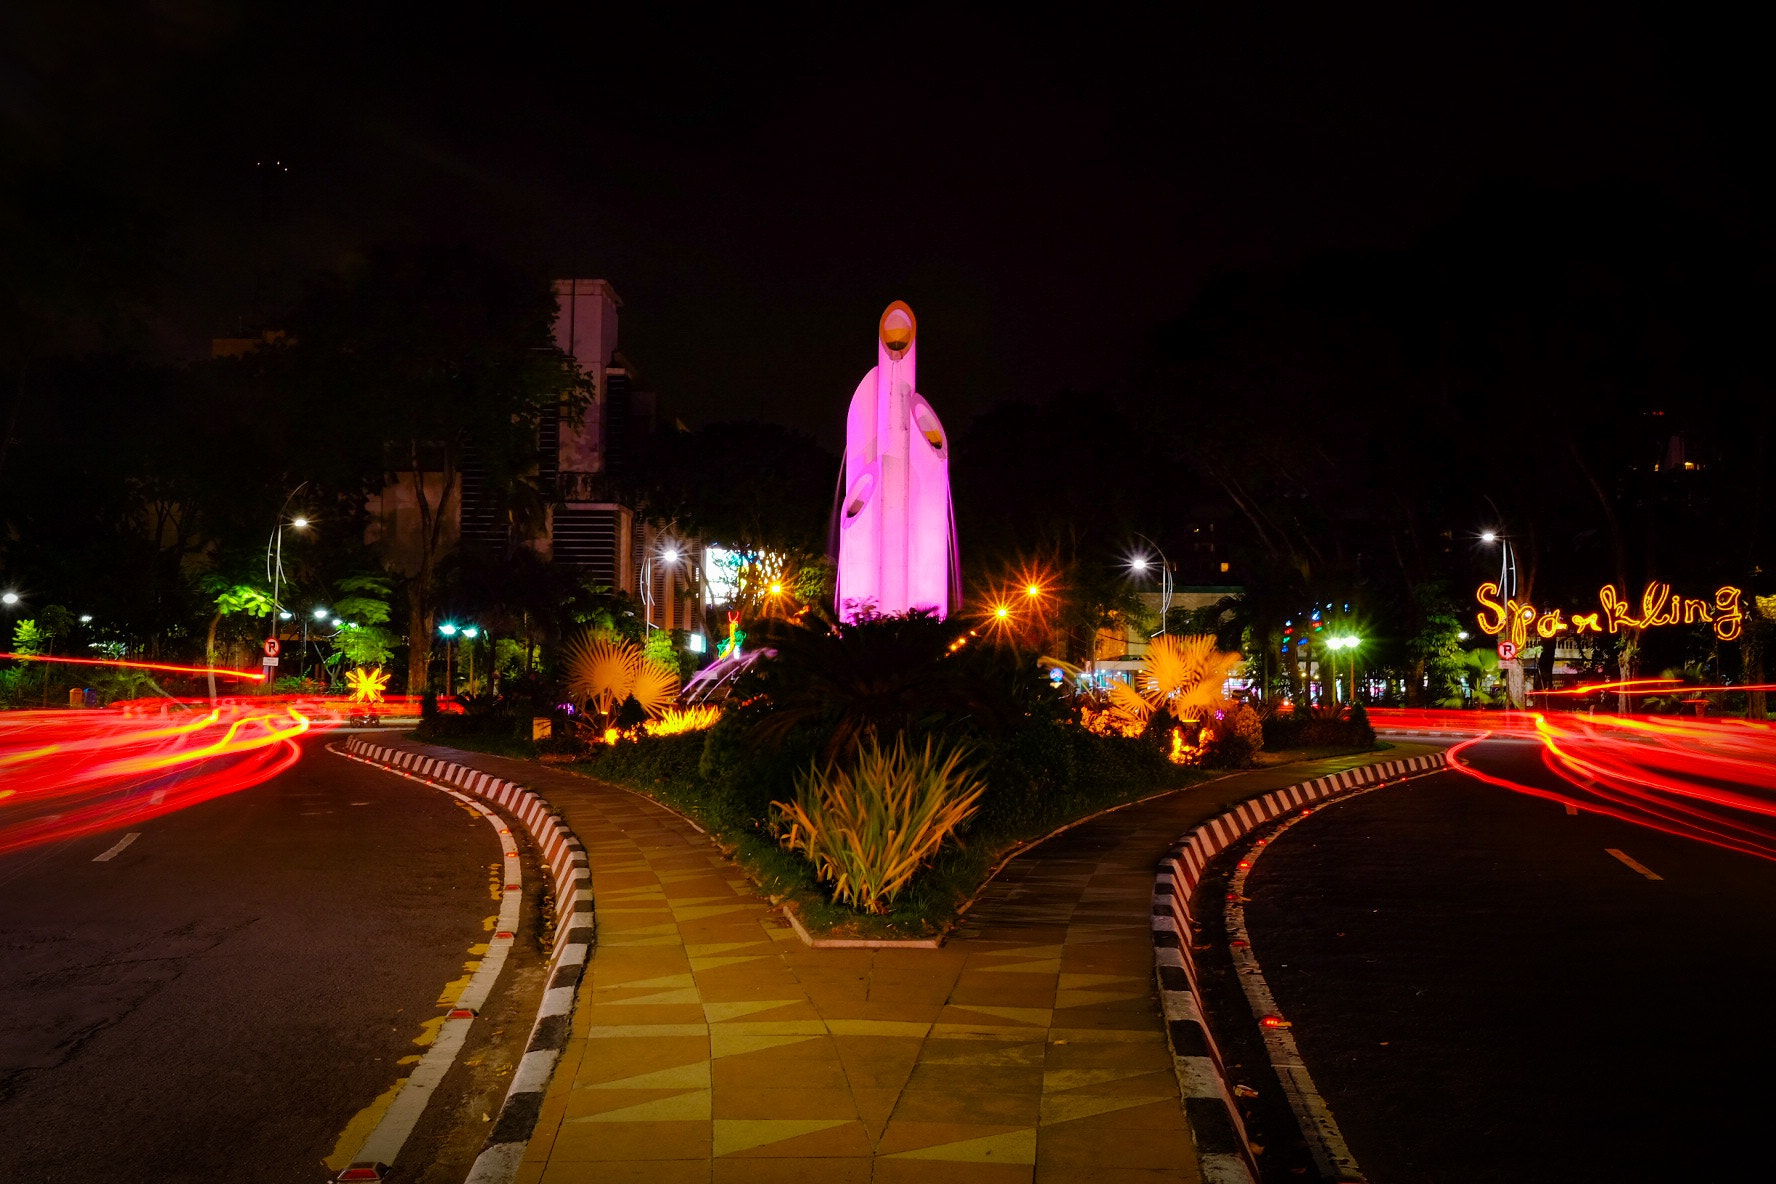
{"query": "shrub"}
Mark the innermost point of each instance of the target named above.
(1235, 738)
(869, 828)
(1306, 728)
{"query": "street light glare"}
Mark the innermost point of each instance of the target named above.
(1033, 590)
(1139, 563)
(1001, 612)
(300, 523)
(669, 555)
(1489, 536)
(471, 633)
(320, 614)
(10, 598)
(448, 630)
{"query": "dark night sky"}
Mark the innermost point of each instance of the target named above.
(758, 185)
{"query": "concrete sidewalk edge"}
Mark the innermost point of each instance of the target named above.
(564, 858)
(1223, 1152)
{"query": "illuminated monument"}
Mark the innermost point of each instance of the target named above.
(897, 535)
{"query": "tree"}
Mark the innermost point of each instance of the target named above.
(429, 358)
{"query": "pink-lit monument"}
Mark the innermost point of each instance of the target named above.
(897, 536)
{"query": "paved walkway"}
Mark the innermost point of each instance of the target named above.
(710, 1045)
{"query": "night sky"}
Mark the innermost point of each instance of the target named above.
(1044, 190)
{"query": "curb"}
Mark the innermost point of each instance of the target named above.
(1222, 1150)
(564, 858)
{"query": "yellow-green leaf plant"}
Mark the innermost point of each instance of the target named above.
(869, 827)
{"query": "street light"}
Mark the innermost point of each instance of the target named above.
(449, 631)
(471, 632)
(1139, 565)
(274, 564)
(9, 599)
(1351, 644)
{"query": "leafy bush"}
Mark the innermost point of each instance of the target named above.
(1308, 728)
(1236, 738)
(870, 827)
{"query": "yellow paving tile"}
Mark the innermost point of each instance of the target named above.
(737, 1135)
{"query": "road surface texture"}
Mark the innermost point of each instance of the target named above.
(1484, 992)
(222, 995)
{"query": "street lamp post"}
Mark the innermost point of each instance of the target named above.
(471, 632)
(1140, 564)
(274, 572)
(449, 632)
(1351, 644)
(1507, 586)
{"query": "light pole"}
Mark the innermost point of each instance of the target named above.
(1345, 643)
(1140, 563)
(471, 632)
(449, 632)
(668, 555)
(1507, 586)
(274, 569)
(320, 614)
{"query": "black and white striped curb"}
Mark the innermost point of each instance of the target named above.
(565, 858)
(1223, 1153)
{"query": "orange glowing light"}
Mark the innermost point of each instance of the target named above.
(1032, 590)
(1002, 612)
(223, 671)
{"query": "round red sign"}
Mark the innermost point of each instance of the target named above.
(271, 647)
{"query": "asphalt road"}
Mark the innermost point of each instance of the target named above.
(1483, 993)
(218, 999)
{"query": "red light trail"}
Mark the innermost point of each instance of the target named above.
(73, 773)
(1711, 781)
(223, 671)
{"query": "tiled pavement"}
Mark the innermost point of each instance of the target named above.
(710, 1045)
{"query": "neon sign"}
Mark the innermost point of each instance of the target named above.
(1513, 619)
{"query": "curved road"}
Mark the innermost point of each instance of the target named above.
(221, 996)
(1483, 991)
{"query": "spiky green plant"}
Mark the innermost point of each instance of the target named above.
(868, 828)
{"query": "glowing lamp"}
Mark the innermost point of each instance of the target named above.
(1002, 612)
(471, 633)
(448, 630)
(320, 614)
(669, 555)
(1033, 590)
(299, 523)
(285, 616)
(86, 618)
(10, 598)
(776, 589)
(1487, 536)
(1139, 563)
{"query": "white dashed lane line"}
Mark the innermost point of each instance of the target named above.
(117, 847)
(1637, 866)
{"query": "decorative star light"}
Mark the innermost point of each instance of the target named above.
(367, 686)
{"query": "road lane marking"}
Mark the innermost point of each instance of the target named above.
(1641, 868)
(117, 847)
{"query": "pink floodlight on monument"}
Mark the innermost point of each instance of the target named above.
(897, 547)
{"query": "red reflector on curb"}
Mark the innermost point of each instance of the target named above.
(511, 887)
(1245, 863)
(360, 1172)
(461, 1013)
(503, 935)
(1273, 1021)
(511, 855)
